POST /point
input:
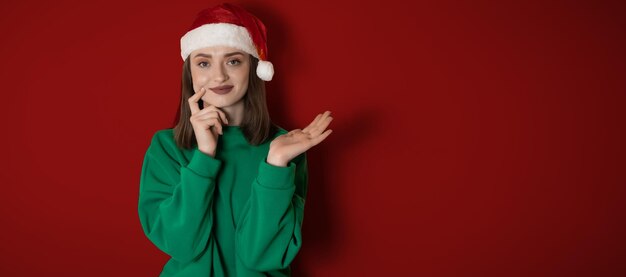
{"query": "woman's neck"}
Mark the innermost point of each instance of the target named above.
(234, 113)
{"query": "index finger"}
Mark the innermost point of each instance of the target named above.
(193, 100)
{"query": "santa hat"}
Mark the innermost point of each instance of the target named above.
(229, 25)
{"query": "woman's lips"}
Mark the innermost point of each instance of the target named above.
(221, 89)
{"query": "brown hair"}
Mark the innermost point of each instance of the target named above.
(256, 124)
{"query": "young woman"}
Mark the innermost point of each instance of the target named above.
(222, 193)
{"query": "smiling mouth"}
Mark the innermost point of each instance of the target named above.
(222, 89)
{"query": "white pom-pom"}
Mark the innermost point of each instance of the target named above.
(265, 70)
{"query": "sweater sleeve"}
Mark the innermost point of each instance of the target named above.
(268, 234)
(175, 199)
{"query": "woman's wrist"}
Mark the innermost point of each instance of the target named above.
(210, 152)
(275, 161)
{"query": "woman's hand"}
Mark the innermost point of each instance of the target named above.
(207, 124)
(288, 146)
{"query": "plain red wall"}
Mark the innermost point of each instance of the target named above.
(472, 138)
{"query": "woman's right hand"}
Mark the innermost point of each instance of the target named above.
(207, 123)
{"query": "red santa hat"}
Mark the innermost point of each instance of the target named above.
(229, 25)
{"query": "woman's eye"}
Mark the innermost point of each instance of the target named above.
(203, 64)
(234, 62)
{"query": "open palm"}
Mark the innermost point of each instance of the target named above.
(288, 146)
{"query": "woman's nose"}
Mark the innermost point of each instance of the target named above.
(220, 74)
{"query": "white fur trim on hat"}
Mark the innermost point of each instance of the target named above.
(217, 34)
(265, 70)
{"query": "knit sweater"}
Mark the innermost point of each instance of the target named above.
(232, 215)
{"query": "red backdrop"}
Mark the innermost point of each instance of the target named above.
(472, 138)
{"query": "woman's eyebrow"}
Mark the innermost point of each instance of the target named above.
(233, 54)
(225, 55)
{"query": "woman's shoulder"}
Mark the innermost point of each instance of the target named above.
(163, 136)
(163, 141)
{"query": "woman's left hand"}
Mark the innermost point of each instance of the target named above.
(288, 146)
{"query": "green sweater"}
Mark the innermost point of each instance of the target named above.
(232, 215)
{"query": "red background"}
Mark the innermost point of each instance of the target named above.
(472, 138)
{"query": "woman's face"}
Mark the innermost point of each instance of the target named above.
(223, 71)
